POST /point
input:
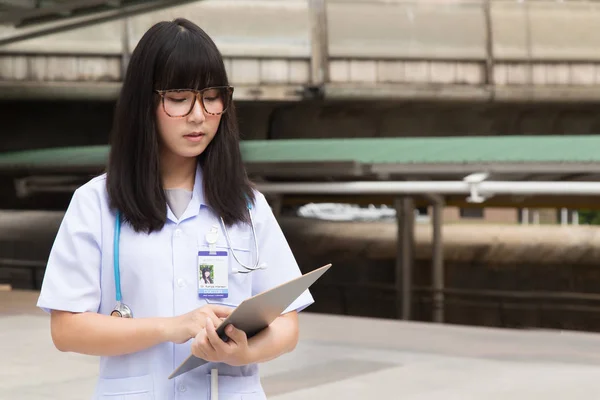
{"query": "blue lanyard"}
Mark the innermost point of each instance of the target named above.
(116, 256)
(117, 236)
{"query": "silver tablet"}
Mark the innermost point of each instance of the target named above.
(257, 312)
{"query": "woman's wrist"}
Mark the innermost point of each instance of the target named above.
(166, 329)
(249, 356)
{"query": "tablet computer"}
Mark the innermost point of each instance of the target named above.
(257, 312)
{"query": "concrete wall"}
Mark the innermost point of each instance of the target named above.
(396, 119)
(484, 257)
(487, 262)
(488, 215)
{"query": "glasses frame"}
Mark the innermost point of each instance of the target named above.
(198, 96)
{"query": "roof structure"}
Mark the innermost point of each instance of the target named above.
(433, 163)
(430, 150)
(571, 157)
(505, 157)
(34, 18)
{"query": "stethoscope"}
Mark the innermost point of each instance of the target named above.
(122, 310)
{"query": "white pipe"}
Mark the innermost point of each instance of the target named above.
(533, 187)
(440, 187)
(390, 187)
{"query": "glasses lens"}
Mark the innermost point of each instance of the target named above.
(215, 100)
(179, 103)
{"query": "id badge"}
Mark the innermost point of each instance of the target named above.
(213, 274)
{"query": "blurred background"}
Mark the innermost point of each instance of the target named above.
(442, 154)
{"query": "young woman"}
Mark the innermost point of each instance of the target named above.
(175, 196)
(206, 279)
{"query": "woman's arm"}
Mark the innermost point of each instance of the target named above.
(103, 335)
(278, 338)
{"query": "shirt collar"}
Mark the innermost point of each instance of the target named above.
(197, 201)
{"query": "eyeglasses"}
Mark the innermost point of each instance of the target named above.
(180, 102)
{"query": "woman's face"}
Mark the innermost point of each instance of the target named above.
(207, 274)
(186, 136)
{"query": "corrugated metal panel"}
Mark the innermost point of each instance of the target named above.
(85, 157)
(456, 150)
(429, 150)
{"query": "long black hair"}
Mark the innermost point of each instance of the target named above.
(171, 55)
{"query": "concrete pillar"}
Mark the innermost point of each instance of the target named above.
(405, 217)
(437, 265)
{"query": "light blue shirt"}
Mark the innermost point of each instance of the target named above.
(159, 279)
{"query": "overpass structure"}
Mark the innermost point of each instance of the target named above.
(359, 50)
(475, 50)
(403, 172)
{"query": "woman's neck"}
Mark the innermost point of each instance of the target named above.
(178, 172)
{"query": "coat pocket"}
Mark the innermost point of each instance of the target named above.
(133, 388)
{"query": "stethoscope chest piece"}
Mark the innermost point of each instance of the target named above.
(122, 311)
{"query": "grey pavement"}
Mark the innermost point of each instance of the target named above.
(342, 358)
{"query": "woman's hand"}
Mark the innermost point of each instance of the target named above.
(208, 345)
(187, 326)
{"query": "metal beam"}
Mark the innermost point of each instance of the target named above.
(489, 43)
(296, 170)
(500, 201)
(80, 22)
(319, 58)
(16, 17)
(91, 90)
(522, 94)
(437, 262)
(405, 217)
(487, 188)
(504, 167)
(19, 4)
(406, 91)
(561, 191)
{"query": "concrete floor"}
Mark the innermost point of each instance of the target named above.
(342, 358)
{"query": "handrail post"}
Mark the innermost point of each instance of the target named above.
(319, 57)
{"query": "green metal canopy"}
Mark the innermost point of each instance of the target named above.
(439, 155)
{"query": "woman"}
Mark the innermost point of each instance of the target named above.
(175, 181)
(207, 280)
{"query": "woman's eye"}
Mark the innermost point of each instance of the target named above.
(176, 100)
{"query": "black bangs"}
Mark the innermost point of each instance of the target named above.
(189, 60)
